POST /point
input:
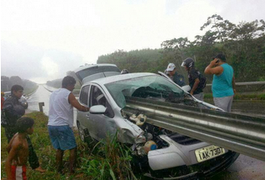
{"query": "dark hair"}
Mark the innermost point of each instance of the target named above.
(23, 124)
(221, 56)
(16, 88)
(68, 80)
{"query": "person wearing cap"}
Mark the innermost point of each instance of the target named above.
(196, 80)
(171, 72)
(223, 85)
(124, 71)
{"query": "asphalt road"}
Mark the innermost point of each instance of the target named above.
(244, 168)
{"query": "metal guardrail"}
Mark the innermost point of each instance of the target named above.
(239, 133)
(246, 83)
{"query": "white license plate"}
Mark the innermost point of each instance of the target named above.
(208, 152)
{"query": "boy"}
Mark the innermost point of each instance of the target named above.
(18, 150)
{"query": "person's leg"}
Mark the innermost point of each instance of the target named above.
(221, 103)
(59, 160)
(54, 133)
(230, 101)
(199, 96)
(72, 160)
(65, 140)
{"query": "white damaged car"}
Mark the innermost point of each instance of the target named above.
(158, 153)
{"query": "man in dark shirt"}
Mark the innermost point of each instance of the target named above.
(13, 110)
(195, 79)
(171, 71)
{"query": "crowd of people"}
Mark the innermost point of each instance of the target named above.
(223, 84)
(18, 128)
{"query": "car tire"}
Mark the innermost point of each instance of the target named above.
(82, 133)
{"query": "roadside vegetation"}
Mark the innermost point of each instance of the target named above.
(96, 160)
(242, 43)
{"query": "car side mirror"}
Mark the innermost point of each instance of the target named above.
(97, 109)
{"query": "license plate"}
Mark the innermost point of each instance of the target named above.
(208, 152)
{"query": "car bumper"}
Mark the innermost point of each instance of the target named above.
(200, 170)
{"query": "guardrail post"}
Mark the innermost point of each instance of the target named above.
(41, 104)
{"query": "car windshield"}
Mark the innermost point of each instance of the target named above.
(153, 87)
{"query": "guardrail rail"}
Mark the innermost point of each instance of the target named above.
(239, 133)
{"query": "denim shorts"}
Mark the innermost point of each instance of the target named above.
(62, 137)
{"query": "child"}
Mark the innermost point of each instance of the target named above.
(18, 150)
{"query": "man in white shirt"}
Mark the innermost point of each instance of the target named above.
(60, 122)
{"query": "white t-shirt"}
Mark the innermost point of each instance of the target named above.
(61, 111)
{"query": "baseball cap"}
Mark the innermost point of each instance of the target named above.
(170, 67)
(221, 56)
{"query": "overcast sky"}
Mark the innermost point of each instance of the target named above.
(42, 40)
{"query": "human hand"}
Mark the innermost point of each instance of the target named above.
(214, 62)
(86, 109)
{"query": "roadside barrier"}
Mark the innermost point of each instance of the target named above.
(239, 133)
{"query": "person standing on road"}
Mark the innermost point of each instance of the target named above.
(13, 110)
(171, 71)
(196, 81)
(60, 122)
(223, 85)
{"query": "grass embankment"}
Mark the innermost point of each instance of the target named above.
(95, 160)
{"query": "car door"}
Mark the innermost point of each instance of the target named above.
(104, 123)
(83, 117)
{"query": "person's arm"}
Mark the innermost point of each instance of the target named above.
(234, 84)
(195, 85)
(11, 155)
(213, 69)
(76, 104)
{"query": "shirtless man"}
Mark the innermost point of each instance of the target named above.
(18, 150)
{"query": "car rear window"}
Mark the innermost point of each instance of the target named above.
(94, 70)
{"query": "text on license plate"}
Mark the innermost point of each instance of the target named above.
(208, 152)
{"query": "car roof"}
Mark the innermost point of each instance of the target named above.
(92, 65)
(120, 77)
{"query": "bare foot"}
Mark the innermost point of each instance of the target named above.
(39, 169)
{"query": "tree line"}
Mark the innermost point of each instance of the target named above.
(243, 44)
(8, 82)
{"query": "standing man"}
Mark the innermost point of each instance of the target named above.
(171, 71)
(223, 85)
(60, 122)
(196, 81)
(13, 110)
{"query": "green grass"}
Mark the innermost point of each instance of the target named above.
(96, 160)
